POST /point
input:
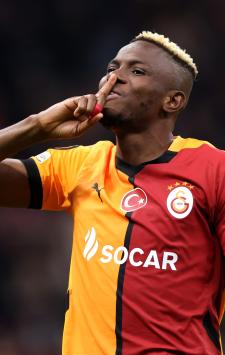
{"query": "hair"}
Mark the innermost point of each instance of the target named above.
(172, 48)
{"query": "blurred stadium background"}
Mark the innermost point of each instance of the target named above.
(51, 50)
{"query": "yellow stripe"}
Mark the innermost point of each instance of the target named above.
(182, 143)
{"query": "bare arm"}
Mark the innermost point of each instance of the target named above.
(67, 119)
(14, 186)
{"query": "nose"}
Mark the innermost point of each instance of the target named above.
(121, 77)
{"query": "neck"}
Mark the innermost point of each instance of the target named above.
(137, 148)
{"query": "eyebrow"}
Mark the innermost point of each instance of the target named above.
(130, 62)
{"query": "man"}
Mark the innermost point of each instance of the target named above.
(146, 271)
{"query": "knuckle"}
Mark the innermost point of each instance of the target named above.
(91, 96)
(82, 99)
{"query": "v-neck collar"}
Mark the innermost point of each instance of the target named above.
(131, 170)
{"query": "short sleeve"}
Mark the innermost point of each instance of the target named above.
(53, 176)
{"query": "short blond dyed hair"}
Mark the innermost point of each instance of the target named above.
(164, 42)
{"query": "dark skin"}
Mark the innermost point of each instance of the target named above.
(141, 95)
(151, 94)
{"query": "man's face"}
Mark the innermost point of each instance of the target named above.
(143, 72)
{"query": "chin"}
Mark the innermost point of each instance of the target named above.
(112, 119)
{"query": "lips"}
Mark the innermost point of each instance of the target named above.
(113, 94)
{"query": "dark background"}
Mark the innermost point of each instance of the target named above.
(51, 50)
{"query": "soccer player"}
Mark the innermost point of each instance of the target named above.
(146, 272)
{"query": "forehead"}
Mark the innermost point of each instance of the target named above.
(145, 52)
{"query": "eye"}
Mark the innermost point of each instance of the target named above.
(110, 69)
(138, 71)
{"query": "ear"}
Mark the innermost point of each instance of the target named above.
(174, 101)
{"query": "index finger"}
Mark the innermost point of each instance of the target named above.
(105, 90)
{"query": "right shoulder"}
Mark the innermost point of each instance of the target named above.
(82, 152)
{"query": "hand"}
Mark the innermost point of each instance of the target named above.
(72, 117)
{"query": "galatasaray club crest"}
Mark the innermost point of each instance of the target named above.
(133, 200)
(180, 199)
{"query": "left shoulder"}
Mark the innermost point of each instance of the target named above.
(180, 143)
(203, 149)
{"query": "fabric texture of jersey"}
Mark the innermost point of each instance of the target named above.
(147, 266)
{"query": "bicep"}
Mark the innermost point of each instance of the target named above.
(14, 184)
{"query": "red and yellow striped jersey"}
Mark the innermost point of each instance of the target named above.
(146, 273)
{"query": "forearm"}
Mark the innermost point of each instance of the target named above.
(65, 120)
(19, 136)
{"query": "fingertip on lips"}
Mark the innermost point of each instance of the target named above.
(113, 77)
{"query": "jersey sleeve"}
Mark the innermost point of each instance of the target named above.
(53, 176)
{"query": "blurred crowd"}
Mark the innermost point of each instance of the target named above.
(51, 50)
